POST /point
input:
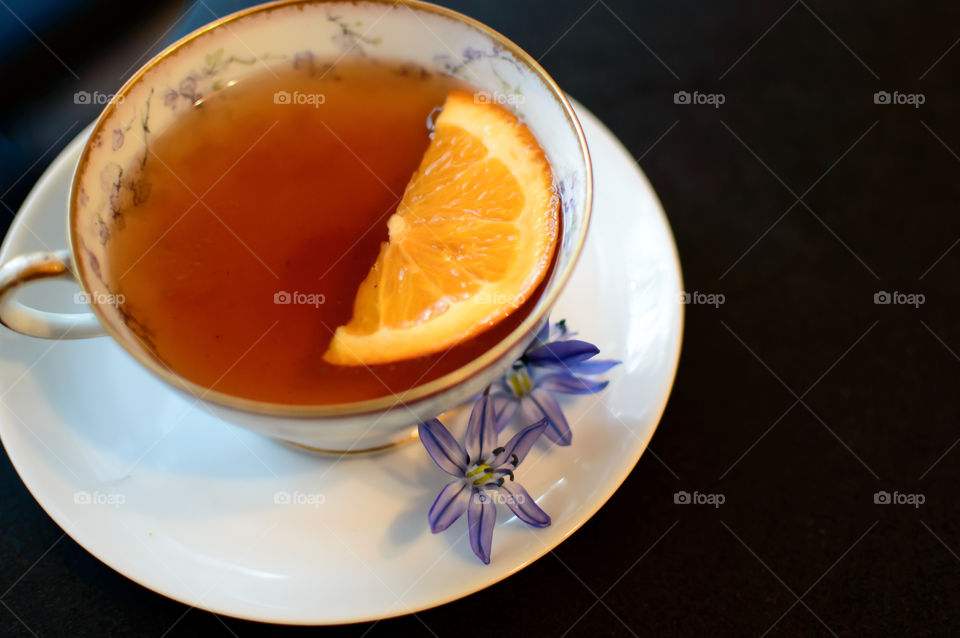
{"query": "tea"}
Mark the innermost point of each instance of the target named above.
(267, 205)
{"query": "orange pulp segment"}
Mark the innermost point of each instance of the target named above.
(471, 239)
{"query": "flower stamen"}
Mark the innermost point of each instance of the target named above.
(482, 472)
(519, 381)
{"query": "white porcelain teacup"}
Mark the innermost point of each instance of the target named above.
(287, 33)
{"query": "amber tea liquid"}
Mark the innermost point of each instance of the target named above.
(267, 205)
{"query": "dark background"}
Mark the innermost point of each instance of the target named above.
(797, 399)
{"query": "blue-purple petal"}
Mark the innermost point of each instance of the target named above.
(561, 354)
(560, 331)
(481, 518)
(481, 436)
(504, 407)
(594, 366)
(543, 336)
(570, 384)
(541, 404)
(450, 505)
(443, 448)
(516, 449)
(523, 505)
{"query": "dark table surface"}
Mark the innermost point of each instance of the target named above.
(798, 199)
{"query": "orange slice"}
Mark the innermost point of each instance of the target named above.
(471, 239)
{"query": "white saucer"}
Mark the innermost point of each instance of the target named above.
(186, 505)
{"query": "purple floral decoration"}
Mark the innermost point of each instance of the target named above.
(116, 140)
(479, 469)
(554, 362)
(471, 53)
(303, 59)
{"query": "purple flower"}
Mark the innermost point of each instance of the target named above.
(484, 475)
(553, 363)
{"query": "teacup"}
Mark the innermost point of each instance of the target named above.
(288, 33)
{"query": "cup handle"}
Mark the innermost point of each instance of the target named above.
(38, 323)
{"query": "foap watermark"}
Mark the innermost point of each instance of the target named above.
(109, 499)
(297, 298)
(500, 299)
(900, 99)
(697, 298)
(898, 498)
(299, 98)
(86, 97)
(499, 497)
(699, 99)
(99, 298)
(698, 498)
(496, 97)
(897, 298)
(313, 499)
